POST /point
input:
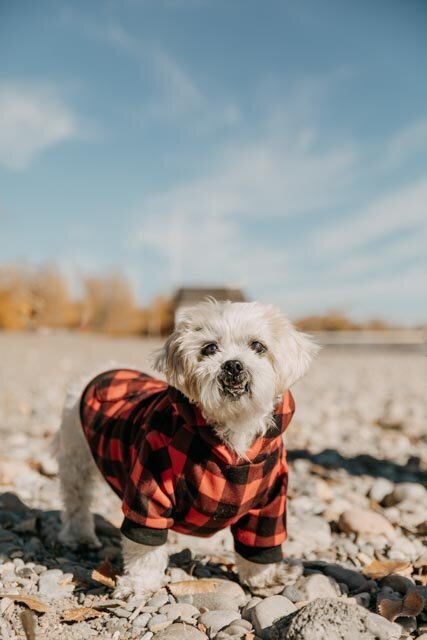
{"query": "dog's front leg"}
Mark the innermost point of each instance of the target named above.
(145, 567)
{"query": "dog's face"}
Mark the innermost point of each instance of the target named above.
(234, 358)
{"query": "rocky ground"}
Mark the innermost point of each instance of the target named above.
(357, 512)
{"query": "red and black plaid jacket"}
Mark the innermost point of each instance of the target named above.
(171, 471)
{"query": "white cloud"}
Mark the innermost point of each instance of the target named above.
(398, 210)
(197, 227)
(31, 120)
(266, 177)
(293, 174)
(408, 142)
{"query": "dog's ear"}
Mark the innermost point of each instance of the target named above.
(168, 359)
(295, 350)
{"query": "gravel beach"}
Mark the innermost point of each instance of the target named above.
(356, 551)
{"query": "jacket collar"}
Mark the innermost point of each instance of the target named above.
(194, 421)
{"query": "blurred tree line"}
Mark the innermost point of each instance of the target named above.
(33, 298)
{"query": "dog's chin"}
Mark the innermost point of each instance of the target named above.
(234, 391)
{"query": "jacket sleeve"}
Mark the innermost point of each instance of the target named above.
(147, 499)
(259, 534)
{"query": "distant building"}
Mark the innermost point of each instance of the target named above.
(189, 296)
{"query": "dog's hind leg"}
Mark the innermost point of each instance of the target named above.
(77, 471)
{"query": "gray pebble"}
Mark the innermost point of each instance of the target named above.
(186, 598)
(317, 586)
(179, 610)
(179, 631)
(121, 612)
(292, 593)
(141, 621)
(158, 601)
(158, 623)
(267, 611)
(247, 610)
(214, 621)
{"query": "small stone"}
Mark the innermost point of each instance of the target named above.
(318, 586)
(308, 534)
(141, 621)
(397, 583)
(186, 598)
(158, 601)
(147, 635)
(408, 624)
(240, 624)
(55, 585)
(365, 523)
(410, 491)
(158, 623)
(292, 593)
(181, 557)
(363, 599)
(214, 621)
(179, 610)
(248, 609)
(177, 575)
(180, 631)
(121, 612)
(380, 488)
(267, 611)
(211, 593)
(349, 577)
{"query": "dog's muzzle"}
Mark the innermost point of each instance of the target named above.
(234, 379)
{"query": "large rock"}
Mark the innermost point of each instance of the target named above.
(180, 631)
(365, 523)
(265, 612)
(329, 619)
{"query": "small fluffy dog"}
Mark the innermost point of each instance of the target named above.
(195, 454)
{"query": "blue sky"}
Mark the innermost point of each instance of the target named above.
(279, 145)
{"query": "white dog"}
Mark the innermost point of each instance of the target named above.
(196, 454)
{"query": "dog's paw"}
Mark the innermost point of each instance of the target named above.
(127, 587)
(270, 579)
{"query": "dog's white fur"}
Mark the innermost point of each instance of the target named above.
(233, 327)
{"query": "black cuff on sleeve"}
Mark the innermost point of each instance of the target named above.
(143, 535)
(259, 555)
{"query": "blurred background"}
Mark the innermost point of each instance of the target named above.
(152, 152)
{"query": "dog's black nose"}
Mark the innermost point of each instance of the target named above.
(233, 367)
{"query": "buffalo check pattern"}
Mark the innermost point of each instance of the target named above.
(165, 462)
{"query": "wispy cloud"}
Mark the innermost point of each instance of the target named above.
(397, 210)
(32, 119)
(175, 95)
(406, 143)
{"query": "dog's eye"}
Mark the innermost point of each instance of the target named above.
(209, 349)
(258, 347)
